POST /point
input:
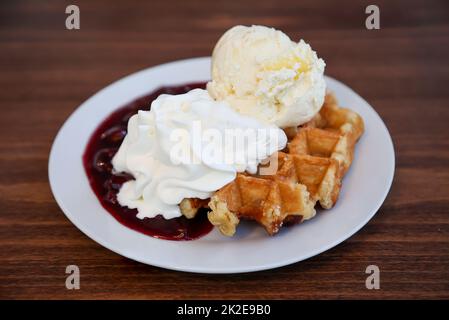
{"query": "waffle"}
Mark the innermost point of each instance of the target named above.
(309, 171)
(189, 206)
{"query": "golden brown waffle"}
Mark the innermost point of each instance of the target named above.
(189, 207)
(311, 170)
(267, 199)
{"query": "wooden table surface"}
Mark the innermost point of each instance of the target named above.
(47, 71)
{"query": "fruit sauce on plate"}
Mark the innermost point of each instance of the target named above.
(101, 148)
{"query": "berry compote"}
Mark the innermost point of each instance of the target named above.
(97, 157)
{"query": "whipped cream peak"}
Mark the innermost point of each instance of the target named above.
(188, 146)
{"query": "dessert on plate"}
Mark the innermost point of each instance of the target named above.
(261, 141)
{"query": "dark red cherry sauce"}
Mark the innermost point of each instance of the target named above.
(97, 157)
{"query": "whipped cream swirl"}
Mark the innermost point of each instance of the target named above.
(181, 148)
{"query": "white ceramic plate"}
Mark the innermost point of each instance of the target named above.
(364, 189)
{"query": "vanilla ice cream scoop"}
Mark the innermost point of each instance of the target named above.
(260, 72)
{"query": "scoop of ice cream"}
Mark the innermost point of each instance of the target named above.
(262, 73)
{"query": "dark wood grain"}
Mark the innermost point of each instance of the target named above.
(46, 71)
